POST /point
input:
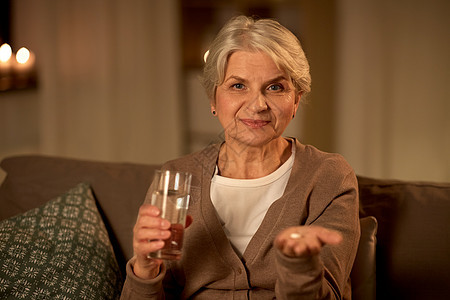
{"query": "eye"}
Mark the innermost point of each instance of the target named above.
(238, 86)
(276, 87)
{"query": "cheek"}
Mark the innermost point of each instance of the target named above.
(224, 110)
(227, 106)
(283, 108)
(284, 119)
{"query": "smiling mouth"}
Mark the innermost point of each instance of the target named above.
(254, 123)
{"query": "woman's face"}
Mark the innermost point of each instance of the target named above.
(256, 101)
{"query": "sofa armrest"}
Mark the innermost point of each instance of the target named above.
(363, 275)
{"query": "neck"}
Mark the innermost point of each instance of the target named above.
(253, 162)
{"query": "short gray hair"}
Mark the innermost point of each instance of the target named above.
(266, 35)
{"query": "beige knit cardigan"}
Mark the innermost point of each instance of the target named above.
(322, 190)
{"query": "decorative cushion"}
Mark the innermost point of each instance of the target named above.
(60, 250)
(363, 274)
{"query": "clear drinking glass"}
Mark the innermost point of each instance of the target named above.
(169, 191)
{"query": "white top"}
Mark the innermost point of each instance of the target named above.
(242, 203)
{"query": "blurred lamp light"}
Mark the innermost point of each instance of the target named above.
(205, 56)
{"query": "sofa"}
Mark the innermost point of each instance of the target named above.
(66, 231)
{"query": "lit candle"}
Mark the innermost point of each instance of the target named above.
(5, 58)
(5, 67)
(24, 61)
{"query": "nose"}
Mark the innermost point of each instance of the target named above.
(258, 103)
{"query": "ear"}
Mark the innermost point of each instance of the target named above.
(297, 103)
(212, 104)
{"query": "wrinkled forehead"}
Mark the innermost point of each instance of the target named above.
(253, 64)
(256, 59)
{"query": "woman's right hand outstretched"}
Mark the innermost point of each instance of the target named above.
(149, 234)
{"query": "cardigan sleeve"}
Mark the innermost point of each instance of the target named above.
(160, 287)
(139, 289)
(334, 205)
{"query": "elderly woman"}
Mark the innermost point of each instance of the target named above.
(272, 218)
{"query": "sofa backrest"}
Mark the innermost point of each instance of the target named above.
(119, 189)
(413, 239)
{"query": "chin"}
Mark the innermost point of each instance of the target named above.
(253, 141)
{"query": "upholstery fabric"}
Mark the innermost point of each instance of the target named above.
(60, 250)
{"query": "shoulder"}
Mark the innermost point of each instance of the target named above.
(311, 157)
(325, 177)
(322, 167)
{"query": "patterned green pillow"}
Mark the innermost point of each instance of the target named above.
(60, 250)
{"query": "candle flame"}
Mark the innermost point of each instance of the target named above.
(23, 55)
(5, 52)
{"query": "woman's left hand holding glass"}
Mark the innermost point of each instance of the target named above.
(305, 241)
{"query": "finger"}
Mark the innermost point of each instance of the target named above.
(143, 248)
(291, 247)
(149, 210)
(151, 234)
(330, 237)
(152, 222)
(285, 248)
(297, 244)
(308, 247)
(279, 243)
